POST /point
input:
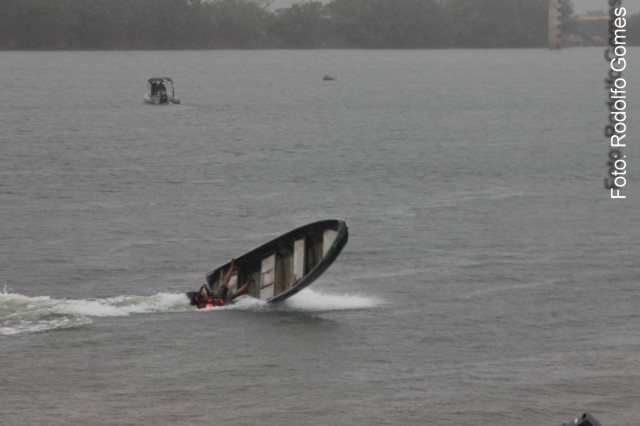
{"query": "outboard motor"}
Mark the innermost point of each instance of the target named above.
(192, 298)
(585, 419)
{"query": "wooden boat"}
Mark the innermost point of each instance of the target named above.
(284, 266)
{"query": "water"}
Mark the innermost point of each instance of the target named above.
(488, 278)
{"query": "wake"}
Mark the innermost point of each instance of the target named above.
(21, 314)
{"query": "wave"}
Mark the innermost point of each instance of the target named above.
(310, 300)
(21, 314)
(305, 301)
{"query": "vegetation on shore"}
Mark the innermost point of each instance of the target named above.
(212, 24)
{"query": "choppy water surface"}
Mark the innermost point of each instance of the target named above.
(488, 278)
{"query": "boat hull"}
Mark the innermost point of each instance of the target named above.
(159, 100)
(282, 267)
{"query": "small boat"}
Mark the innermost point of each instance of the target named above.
(329, 77)
(160, 90)
(284, 266)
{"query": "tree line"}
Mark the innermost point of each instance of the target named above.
(202, 24)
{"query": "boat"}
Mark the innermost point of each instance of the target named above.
(285, 265)
(160, 90)
(586, 419)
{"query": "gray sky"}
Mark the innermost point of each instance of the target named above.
(580, 6)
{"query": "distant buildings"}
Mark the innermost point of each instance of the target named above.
(589, 31)
(555, 30)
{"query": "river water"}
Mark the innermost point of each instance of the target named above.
(488, 278)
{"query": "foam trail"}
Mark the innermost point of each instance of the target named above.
(21, 314)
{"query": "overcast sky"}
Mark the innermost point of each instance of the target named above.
(580, 6)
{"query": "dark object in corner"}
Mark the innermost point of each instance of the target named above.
(585, 419)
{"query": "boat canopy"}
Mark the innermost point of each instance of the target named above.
(159, 79)
(158, 85)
